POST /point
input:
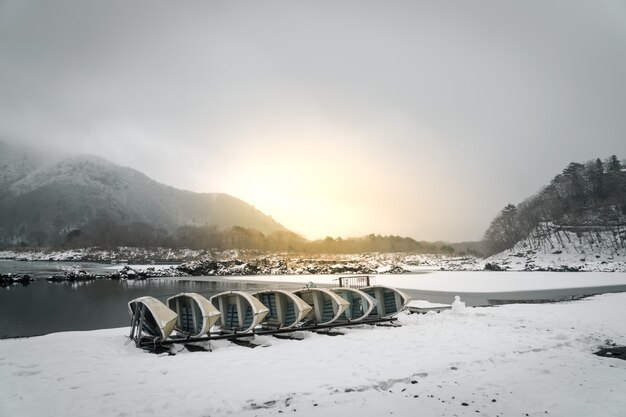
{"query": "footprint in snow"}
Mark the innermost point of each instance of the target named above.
(26, 373)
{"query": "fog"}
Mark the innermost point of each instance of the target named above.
(337, 118)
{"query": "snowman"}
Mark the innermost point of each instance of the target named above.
(458, 306)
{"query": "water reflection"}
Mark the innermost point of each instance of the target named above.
(42, 269)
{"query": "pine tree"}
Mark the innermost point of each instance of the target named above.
(613, 164)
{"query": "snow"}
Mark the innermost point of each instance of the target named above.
(557, 251)
(458, 306)
(142, 267)
(588, 248)
(510, 360)
(424, 304)
(122, 254)
(459, 281)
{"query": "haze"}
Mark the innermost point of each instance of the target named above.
(420, 119)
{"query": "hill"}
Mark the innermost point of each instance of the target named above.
(49, 203)
(578, 219)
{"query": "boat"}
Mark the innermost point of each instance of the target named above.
(240, 311)
(196, 314)
(423, 307)
(326, 305)
(286, 309)
(361, 304)
(158, 320)
(390, 300)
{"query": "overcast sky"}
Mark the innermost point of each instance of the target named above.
(338, 118)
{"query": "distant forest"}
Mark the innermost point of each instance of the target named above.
(584, 197)
(107, 234)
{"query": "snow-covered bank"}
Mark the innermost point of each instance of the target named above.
(551, 247)
(525, 256)
(247, 262)
(122, 254)
(510, 360)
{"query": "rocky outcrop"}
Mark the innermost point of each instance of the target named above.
(127, 272)
(7, 280)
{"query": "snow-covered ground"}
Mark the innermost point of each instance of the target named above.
(512, 360)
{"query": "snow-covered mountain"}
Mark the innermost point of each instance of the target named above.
(38, 198)
(16, 163)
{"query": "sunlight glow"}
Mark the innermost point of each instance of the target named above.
(313, 185)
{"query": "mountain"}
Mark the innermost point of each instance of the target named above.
(42, 202)
(15, 163)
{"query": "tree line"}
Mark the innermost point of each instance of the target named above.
(105, 233)
(582, 195)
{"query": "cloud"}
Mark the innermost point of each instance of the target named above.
(451, 110)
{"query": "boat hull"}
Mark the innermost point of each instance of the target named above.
(196, 314)
(390, 300)
(158, 319)
(240, 311)
(361, 304)
(286, 310)
(327, 306)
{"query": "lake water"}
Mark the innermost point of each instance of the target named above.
(44, 307)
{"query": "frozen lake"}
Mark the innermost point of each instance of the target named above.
(42, 307)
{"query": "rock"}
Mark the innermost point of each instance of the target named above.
(11, 279)
(493, 267)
